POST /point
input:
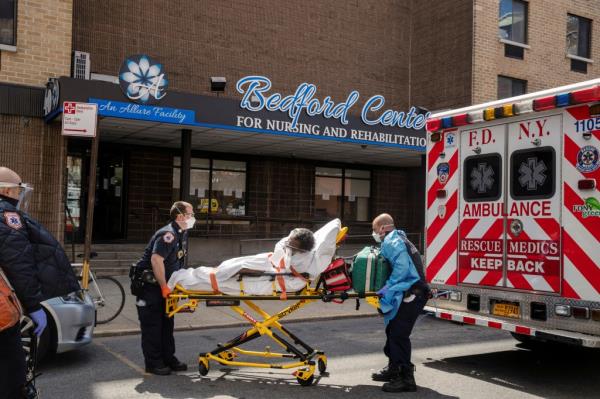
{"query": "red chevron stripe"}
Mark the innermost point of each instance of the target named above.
(452, 279)
(441, 257)
(550, 226)
(491, 278)
(518, 281)
(496, 230)
(436, 226)
(466, 225)
(568, 291)
(434, 154)
(431, 193)
(581, 260)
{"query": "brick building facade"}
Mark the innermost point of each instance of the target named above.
(428, 53)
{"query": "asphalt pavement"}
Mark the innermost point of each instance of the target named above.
(453, 361)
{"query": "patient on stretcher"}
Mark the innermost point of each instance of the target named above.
(297, 259)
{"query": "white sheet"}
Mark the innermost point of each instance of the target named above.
(313, 263)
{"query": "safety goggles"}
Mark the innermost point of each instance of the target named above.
(294, 248)
(24, 196)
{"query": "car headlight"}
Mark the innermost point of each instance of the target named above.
(73, 297)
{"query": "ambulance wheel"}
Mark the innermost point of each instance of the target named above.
(203, 366)
(322, 365)
(306, 383)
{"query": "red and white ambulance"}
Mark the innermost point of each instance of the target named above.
(513, 214)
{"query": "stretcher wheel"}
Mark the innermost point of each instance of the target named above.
(307, 382)
(203, 366)
(322, 364)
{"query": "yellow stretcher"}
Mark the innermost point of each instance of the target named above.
(305, 358)
(301, 355)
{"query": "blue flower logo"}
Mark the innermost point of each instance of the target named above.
(143, 80)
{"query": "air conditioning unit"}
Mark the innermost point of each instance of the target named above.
(81, 65)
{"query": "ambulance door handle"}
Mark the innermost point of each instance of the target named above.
(477, 150)
(536, 142)
(516, 227)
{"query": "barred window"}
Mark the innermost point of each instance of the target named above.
(8, 22)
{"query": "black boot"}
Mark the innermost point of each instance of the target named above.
(388, 373)
(405, 382)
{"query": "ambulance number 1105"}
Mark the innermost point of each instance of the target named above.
(587, 125)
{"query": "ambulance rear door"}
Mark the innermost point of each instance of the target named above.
(482, 195)
(533, 205)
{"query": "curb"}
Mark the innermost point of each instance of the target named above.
(135, 331)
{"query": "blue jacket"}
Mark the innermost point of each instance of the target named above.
(404, 274)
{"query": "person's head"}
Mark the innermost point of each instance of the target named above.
(382, 225)
(12, 187)
(300, 240)
(182, 213)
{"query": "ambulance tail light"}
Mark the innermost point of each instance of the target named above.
(456, 296)
(586, 184)
(538, 311)
(581, 312)
(544, 103)
(562, 310)
(473, 302)
(596, 314)
(440, 194)
(594, 109)
(523, 107)
(460, 120)
(586, 95)
(433, 125)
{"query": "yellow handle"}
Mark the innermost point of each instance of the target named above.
(341, 235)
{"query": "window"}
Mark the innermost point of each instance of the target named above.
(482, 178)
(532, 173)
(216, 186)
(578, 41)
(510, 87)
(355, 185)
(512, 21)
(8, 23)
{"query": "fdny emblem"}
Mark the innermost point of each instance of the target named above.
(443, 172)
(587, 159)
(13, 220)
(168, 237)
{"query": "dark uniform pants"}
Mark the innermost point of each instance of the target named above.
(158, 343)
(397, 345)
(12, 363)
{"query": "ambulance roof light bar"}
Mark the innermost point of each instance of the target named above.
(531, 96)
(540, 101)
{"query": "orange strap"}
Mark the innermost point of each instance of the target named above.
(281, 281)
(213, 282)
(296, 274)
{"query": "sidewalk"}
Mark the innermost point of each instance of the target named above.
(210, 317)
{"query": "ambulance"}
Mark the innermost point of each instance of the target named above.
(513, 215)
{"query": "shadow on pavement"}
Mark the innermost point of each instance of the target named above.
(257, 384)
(548, 370)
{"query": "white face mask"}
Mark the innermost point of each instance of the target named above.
(376, 237)
(189, 223)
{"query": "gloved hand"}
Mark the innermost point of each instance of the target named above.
(40, 320)
(165, 290)
(382, 292)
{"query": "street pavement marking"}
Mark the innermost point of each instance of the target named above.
(123, 359)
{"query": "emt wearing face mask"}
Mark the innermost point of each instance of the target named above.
(401, 301)
(164, 254)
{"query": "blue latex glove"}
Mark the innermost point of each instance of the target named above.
(39, 318)
(381, 293)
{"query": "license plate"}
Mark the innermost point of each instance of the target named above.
(506, 310)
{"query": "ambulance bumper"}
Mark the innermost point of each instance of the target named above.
(567, 337)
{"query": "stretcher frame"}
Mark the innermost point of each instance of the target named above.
(303, 357)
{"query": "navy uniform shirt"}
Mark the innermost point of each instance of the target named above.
(170, 242)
